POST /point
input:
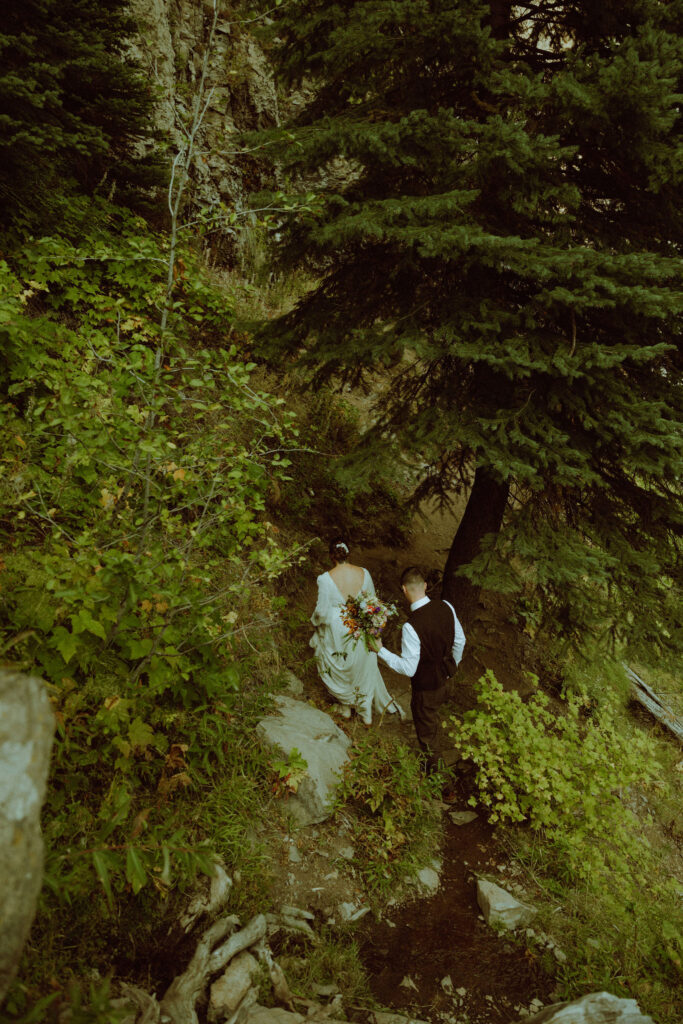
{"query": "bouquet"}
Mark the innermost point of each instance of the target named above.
(366, 616)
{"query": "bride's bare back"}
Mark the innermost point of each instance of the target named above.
(348, 579)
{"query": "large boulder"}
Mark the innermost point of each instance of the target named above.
(26, 730)
(320, 742)
(500, 908)
(594, 1008)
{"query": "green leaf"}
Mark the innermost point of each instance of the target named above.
(140, 648)
(65, 642)
(99, 859)
(83, 621)
(136, 873)
(140, 734)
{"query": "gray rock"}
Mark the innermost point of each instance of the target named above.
(352, 912)
(321, 743)
(428, 879)
(288, 911)
(462, 817)
(594, 1008)
(271, 1015)
(326, 990)
(26, 730)
(500, 909)
(294, 685)
(293, 853)
(228, 992)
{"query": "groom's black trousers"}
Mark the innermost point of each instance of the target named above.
(424, 705)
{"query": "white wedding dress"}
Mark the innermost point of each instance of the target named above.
(347, 669)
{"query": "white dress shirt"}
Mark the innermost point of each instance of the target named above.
(406, 664)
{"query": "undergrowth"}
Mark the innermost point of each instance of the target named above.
(396, 827)
(592, 790)
(333, 962)
(137, 576)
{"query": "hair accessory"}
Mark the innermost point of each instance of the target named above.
(343, 546)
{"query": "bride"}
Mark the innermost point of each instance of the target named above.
(348, 670)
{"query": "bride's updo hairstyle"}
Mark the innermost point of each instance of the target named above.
(339, 550)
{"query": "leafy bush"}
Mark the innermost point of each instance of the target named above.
(563, 773)
(138, 458)
(577, 778)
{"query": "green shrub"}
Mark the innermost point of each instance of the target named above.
(567, 773)
(138, 458)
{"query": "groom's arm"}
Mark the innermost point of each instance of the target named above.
(406, 664)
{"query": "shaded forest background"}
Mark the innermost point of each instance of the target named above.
(470, 211)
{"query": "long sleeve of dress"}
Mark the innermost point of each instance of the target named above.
(321, 612)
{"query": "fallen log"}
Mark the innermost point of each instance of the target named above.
(647, 697)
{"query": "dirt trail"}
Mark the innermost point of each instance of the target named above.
(441, 943)
(460, 968)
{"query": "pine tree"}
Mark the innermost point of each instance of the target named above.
(508, 236)
(74, 109)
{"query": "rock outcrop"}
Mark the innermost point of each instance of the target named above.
(320, 742)
(240, 90)
(26, 731)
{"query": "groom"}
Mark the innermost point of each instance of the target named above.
(431, 637)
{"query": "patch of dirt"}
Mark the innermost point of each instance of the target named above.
(311, 871)
(460, 968)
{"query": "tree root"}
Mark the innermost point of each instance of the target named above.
(178, 1004)
(210, 903)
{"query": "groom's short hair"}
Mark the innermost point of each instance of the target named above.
(412, 576)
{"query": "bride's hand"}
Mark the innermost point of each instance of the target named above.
(375, 644)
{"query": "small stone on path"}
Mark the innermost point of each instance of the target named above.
(428, 879)
(462, 817)
(500, 908)
(293, 854)
(352, 912)
(408, 983)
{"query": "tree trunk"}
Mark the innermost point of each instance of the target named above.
(483, 515)
(501, 13)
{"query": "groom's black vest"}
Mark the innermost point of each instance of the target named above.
(435, 627)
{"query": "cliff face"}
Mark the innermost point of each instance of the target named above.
(171, 42)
